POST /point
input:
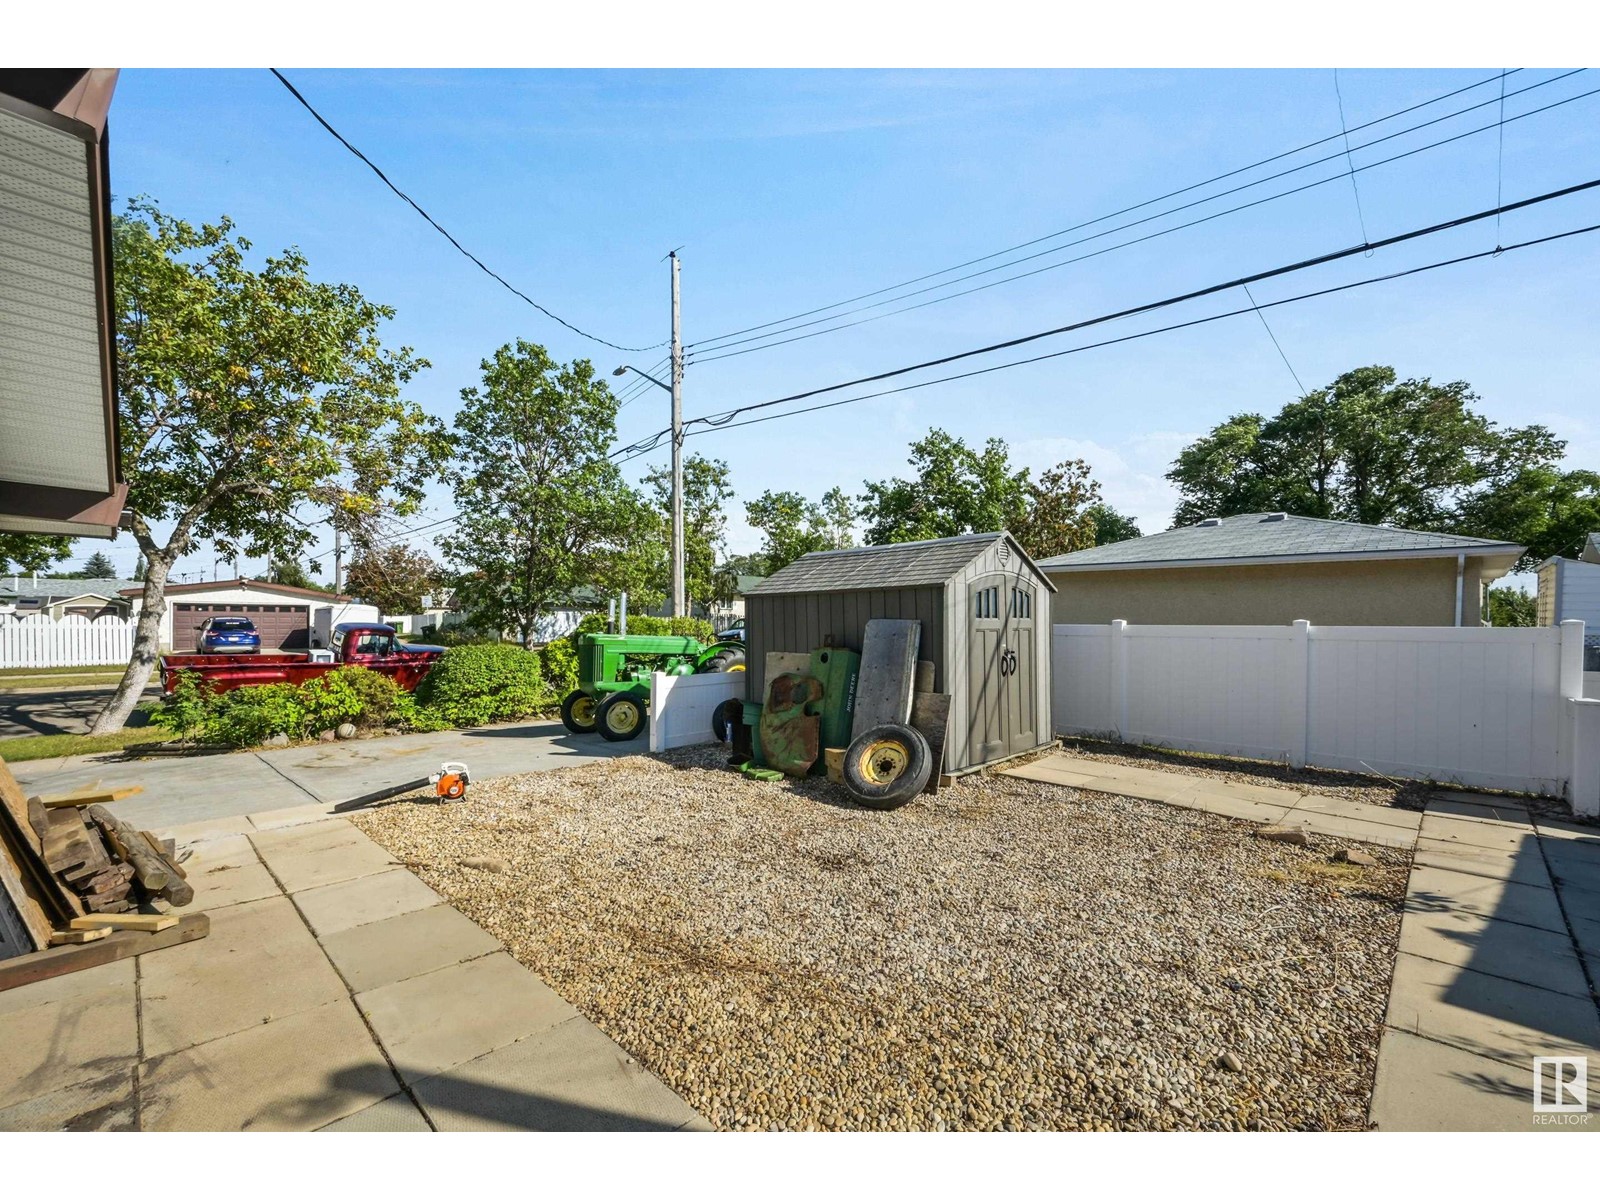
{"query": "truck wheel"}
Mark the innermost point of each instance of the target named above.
(578, 712)
(887, 766)
(731, 659)
(724, 717)
(620, 717)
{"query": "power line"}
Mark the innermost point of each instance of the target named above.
(1122, 211)
(1344, 287)
(376, 170)
(1274, 338)
(768, 344)
(1152, 306)
(1338, 95)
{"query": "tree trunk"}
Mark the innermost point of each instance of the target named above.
(146, 648)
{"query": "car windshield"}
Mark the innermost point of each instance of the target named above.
(233, 625)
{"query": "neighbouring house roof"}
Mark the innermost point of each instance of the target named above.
(50, 590)
(1591, 549)
(1274, 537)
(246, 585)
(743, 583)
(865, 568)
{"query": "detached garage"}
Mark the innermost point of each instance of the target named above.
(985, 614)
(281, 614)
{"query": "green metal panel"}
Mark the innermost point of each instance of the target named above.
(838, 670)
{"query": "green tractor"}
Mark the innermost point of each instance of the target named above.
(614, 669)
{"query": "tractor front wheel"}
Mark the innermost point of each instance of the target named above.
(886, 767)
(578, 712)
(620, 717)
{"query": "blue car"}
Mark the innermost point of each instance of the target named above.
(227, 635)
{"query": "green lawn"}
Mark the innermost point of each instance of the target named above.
(54, 745)
(11, 672)
(80, 678)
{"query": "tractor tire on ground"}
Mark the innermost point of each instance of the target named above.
(731, 659)
(725, 717)
(578, 712)
(620, 717)
(886, 767)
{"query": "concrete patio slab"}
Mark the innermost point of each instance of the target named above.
(1567, 831)
(1050, 770)
(436, 1021)
(195, 832)
(1526, 866)
(1490, 835)
(300, 1073)
(1434, 890)
(1494, 1018)
(340, 906)
(226, 871)
(1153, 785)
(1536, 957)
(66, 1031)
(397, 1114)
(370, 956)
(568, 1077)
(1372, 814)
(1258, 793)
(259, 964)
(307, 813)
(1242, 810)
(1587, 936)
(1502, 812)
(1423, 1086)
(1579, 903)
(97, 1106)
(308, 856)
(1331, 825)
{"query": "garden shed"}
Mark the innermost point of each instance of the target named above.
(985, 614)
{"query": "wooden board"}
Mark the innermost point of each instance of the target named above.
(147, 922)
(930, 716)
(77, 937)
(55, 900)
(924, 675)
(82, 798)
(14, 892)
(888, 674)
(63, 960)
(782, 662)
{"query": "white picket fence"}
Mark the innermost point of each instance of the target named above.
(681, 706)
(1495, 708)
(73, 641)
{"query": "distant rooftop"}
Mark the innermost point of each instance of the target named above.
(1266, 536)
(53, 587)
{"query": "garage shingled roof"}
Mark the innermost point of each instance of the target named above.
(867, 568)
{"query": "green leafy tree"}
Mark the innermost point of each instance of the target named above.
(290, 573)
(1058, 517)
(706, 493)
(247, 393)
(543, 510)
(28, 552)
(394, 578)
(1370, 448)
(726, 579)
(953, 489)
(1547, 510)
(1112, 526)
(790, 526)
(1512, 608)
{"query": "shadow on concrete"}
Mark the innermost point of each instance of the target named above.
(508, 1108)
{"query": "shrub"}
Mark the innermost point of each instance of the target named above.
(456, 635)
(186, 710)
(407, 714)
(473, 685)
(248, 716)
(354, 694)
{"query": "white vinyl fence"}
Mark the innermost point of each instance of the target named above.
(38, 641)
(1493, 708)
(681, 706)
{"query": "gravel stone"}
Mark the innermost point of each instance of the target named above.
(1005, 954)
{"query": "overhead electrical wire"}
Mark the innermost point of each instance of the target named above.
(1355, 189)
(1152, 306)
(1500, 77)
(1275, 343)
(704, 358)
(481, 265)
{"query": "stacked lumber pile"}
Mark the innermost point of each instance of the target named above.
(72, 871)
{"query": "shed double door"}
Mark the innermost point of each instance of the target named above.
(1003, 705)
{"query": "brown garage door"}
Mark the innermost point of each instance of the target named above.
(281, 626)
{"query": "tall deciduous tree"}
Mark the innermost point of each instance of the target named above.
(28, 552)
(1371, 448)
(544, 513)
(1111, 525)
(1058, 517)
(394, 578)
(706, 492)
(248, 393)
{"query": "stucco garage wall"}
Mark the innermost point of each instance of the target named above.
(1418, 591)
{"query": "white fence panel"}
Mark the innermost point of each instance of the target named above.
(73, 641)
(681, 706)
(1479, 707)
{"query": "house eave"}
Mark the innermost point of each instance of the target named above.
(1507, 551)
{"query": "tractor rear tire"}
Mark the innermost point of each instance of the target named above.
(578, 712)
(730, 659)
(620, 717)
(886, 767)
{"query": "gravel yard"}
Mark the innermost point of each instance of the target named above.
(1008, 954)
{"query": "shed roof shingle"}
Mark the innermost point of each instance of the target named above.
(1255, 536)
(904, 564)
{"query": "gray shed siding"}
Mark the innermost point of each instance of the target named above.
(803, 620)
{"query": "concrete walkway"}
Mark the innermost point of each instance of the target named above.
(336, 991)
(1499, 954)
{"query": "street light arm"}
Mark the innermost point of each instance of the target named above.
(666, 387)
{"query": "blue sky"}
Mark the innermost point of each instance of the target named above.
(793, 189)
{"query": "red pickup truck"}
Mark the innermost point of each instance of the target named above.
(354, 644)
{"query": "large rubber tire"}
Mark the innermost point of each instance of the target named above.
(578, 712)
(620, 717)
(725, 717)
(886, 767)
(729, 659)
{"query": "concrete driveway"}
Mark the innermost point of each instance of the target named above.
(26, 711)
(182, 789)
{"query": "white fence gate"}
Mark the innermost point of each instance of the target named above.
(73, 641)
(1481, 707)
(681, 706)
